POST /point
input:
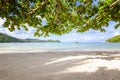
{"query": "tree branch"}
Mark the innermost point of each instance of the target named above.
(58, 8)
(3, 3)
(38, 7)
(59, 4)
(114, 3)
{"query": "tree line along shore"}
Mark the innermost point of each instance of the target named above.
(7, 38)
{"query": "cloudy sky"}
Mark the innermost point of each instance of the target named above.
(89, 36)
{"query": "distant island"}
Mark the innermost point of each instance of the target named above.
(7, 38)
(114, 39)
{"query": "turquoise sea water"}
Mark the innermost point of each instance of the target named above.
(64, 46)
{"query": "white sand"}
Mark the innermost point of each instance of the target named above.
(73, 65)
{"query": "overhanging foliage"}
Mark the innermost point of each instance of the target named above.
(61, 15)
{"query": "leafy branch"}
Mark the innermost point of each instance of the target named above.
(38, 7)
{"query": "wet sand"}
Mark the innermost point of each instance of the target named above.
(71, 65)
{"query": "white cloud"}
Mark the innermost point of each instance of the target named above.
(116, 33)
(2, 21)
(17, 33)
(83, 37)
(22, 33)
(44, 22)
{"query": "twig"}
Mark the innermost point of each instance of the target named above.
(114, 3)
(38, 7)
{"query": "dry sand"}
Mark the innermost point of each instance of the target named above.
(71, 65)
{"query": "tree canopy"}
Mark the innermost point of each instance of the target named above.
(61, 15)
(114, 39)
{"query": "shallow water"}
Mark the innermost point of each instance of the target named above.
(64, 46)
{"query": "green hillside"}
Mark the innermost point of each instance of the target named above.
(114, 39)
(37, 40)
(7, 38)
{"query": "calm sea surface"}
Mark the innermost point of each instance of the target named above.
(64, 46)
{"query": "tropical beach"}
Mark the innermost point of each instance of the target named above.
(70, 65)
(59, 39)
(60, 61)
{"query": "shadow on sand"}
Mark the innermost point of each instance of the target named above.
(94, 65)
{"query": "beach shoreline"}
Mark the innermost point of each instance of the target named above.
(62, 65)
(2, 51)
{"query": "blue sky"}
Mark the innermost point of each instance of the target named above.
(89, 36)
